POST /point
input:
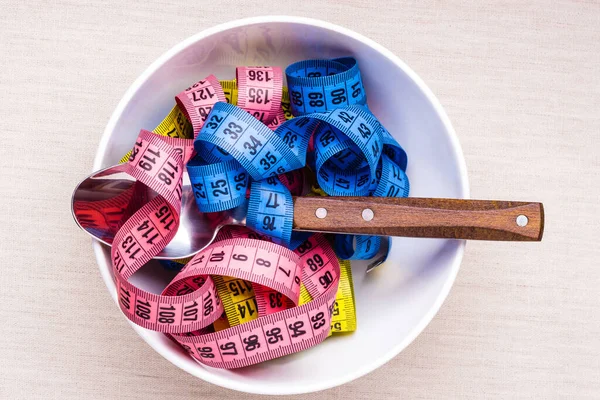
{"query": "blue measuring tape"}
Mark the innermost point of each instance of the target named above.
(218, 186)
(351, 130)
(271, 210)
(356, 247)
(354, 155)
(317, 86)
(393, 181)
(232, 133)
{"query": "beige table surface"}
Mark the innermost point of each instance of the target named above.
(520, 82)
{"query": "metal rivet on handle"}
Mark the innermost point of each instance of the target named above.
(367, 214)
(321, 212)
(522, 220)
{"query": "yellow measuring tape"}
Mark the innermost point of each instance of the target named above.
(344, 310)
(238, 298)
(237, 295)
(240, 305)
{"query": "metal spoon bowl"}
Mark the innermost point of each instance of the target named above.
(105, 199)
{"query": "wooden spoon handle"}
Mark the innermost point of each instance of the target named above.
(421, 217)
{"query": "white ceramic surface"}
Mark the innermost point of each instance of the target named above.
(394, 303)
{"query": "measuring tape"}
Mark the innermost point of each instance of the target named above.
(244, 299)
(237, 295)
(323, 85)
(343, 318)
(197, 100)
(243, 303)
(268, 336)
(190, 303)
(260, 91)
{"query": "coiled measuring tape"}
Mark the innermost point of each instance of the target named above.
(237, 295)
(190, 303)
(243, 302)
(324, 85)
(295, 292)
(230, 134)
(313, 89)
(235, 142)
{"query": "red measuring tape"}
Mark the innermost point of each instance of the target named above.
(189, 305)
(276, 334)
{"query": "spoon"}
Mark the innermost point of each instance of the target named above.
(107, 198)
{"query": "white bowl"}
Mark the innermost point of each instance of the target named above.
(395, 302)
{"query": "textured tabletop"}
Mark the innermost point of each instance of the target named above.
(519, 81)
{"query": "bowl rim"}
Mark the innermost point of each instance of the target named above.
(203, 373)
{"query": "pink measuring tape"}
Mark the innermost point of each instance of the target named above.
(276, 334)
(190, 303)
(259, 91)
